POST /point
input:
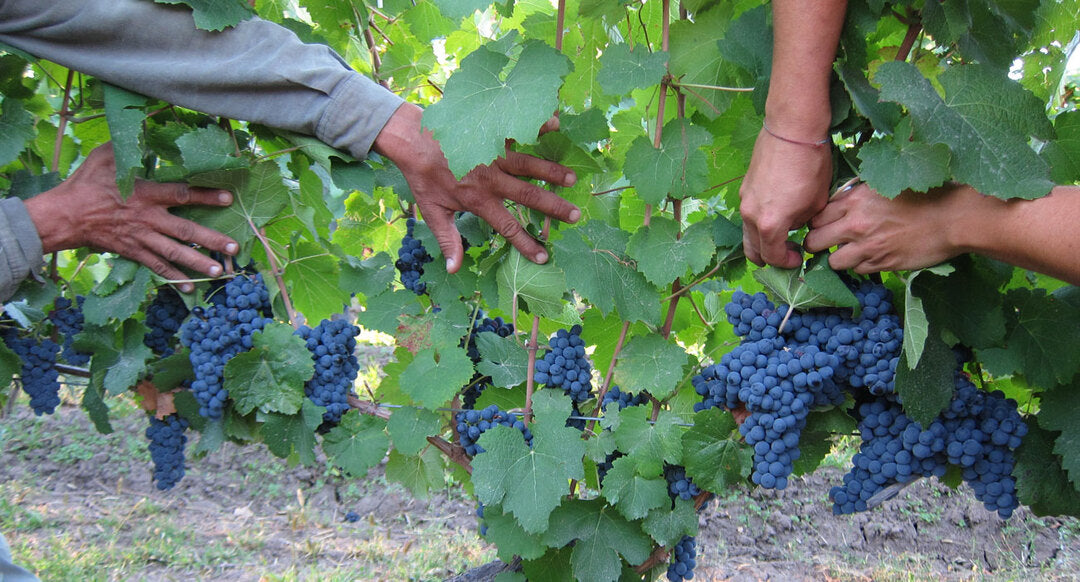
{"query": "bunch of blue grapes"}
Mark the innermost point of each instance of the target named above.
(38, 374)
(683, 560)
(679, 485)
(167, 440)
(411, 259)
(623, 399)
(564, 365)
(473, 423)
(220, 331)
(332, 344)
(164, 316)
(67, 317)
(978, 432)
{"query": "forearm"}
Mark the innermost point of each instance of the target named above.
(1042, 235)
(257, 71)
(805, 36)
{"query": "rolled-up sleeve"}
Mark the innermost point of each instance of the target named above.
(20, 246)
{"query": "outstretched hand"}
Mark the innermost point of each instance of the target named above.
(482, 191)
(784, 187)
(86, 210)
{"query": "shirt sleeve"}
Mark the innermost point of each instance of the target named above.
(20, 246)
(257, 71)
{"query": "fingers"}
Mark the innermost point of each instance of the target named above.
(171, 194)
(161, 255)
(531, 195)
(441, 223)
(192, 232)
(550, 125)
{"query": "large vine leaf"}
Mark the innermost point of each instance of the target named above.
(678, 168)
(648, 444)
(712, 455)
(927, 388)
(410, 426)
(1058, 412)
(481, 107)
(625, 69)
(805, 288)
(503, 359)
(540, 286)
(313, 278)
(632, 494)
(125, 131)
(651, 364)
(270, 376)
(1035, 344)
(985, 120)
(434, 377)
(668, 526)
(293, 436)
(357, 443)
(1041, 482)
(601, 535)
(530, 482)
(891, 166)
(418, 473)
(16, 128)
(663, 255)
(258, 195)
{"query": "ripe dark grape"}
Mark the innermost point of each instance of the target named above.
(624, 399)
(332, 345)
(217, 333)
(68, 319)
(164, 316)
(39, 377)
(473, 423)
(411, 259)
(167, 440)
(683, 560)
(564, 365)
(679, 485)
(352, 516)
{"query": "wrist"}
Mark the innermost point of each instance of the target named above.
(970, 221)
(404, 140)
(50, 219)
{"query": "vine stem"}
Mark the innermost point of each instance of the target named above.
(607, 377)
(277, 272)
(715, 87)
(914, 28)
(54, 165)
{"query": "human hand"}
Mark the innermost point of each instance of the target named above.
(482, 191)
(786, 185)
(873, 233)
(86, 210)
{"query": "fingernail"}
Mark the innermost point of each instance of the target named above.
(541, 257)
(570, 179)
(449, 264)
(186, 287)
(575, 215)
(224, 198)
(231, 248)
(215, 270)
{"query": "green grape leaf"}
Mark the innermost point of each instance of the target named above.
(965, 301)
(927, 388)
(434, 377)
(649, 445)
(696, 57)
(892, 166)
(604, 275)
(125, 132)
(818, 286)
(208, 149)
(651, 363)
(418, 473)
(215, 14)
(502, 358)
(123, 302)
(530, 482)
(357, 443)
(458, 9)
(1058, 412)
(1063, 154)
(540, 286)
(916, 325)
(712, 453)
(508, 536)
(130, 360)
(946, 21)
(495, 107)
(632, 494)
(1045, 355)
(93, 402)
(678, 168)
(663, 256)
(368, 277)
(625, 69)
(383, 311)
(883, 115)
(409, 428)
(601, 535)
(16, 128)
(668, 526)
(1041, 483)
(10, 364)
(293, 436)
(270, 376)
(258, 195)
(587, 127)
(985, 119)
(313, 278)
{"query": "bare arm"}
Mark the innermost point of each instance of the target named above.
(787, 183)
(917, 230)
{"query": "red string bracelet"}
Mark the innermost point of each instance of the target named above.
(812, 144)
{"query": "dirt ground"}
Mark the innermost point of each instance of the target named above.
(76, 505)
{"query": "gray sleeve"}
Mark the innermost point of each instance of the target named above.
(20, 246)
(257, 71)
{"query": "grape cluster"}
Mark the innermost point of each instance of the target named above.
(164, 316)
(40, 380)
(679, 485)
(564, 365)
(217, 333)
(68, 319)
(784, 369)
(624, 399)
(977, 432)
(167, 440)
(332, 345)
(473, 423)
(411, 259)
(683, 560)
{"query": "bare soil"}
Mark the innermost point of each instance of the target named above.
(68, 496)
